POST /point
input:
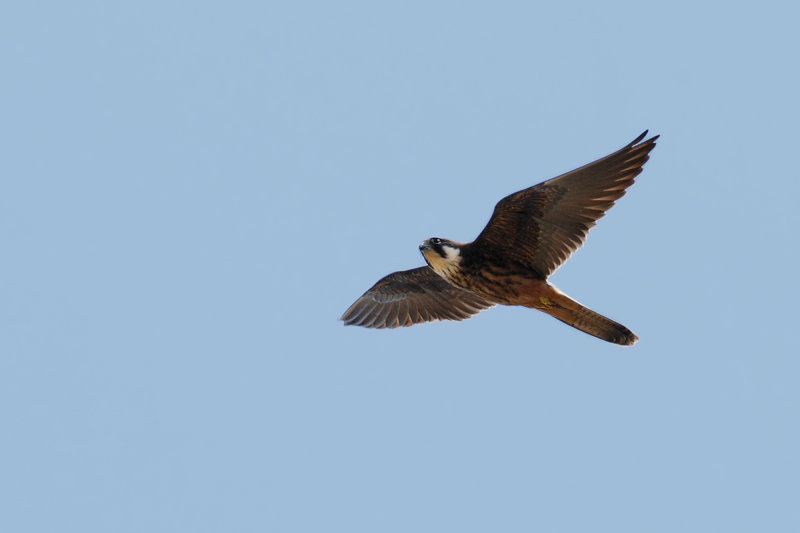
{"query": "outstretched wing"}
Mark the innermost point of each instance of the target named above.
(541, 226)
(411, 297)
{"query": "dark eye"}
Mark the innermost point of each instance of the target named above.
(436, 241)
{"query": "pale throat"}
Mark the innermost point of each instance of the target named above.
(444, 266)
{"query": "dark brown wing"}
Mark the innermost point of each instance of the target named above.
(541, 226)
(410, 297)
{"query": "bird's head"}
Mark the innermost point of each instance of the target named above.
(442, 255)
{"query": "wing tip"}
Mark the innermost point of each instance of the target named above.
(651, 140)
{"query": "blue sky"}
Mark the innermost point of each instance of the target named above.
(193, 193)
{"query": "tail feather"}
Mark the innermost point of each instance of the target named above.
(581, 317)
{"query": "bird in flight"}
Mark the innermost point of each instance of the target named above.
(531, 233)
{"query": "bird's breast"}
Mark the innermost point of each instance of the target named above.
(494, 284)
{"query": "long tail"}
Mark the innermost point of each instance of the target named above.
(581, 317)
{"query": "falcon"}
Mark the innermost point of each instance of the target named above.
(530, 234)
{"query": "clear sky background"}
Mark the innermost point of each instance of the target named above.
(193, 193)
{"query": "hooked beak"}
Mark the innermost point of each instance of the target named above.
(425, 245)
